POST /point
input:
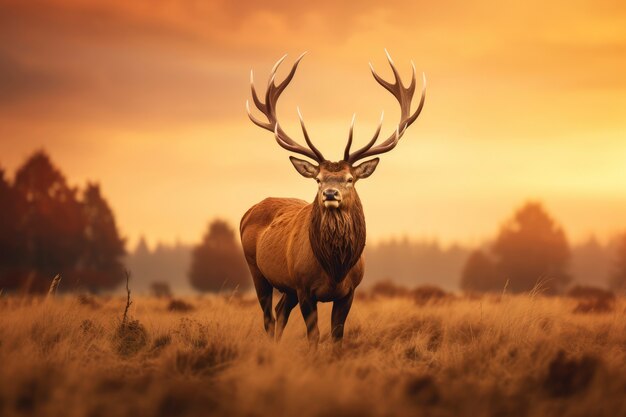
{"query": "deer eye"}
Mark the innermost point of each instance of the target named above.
(318, 180)
(350, 180)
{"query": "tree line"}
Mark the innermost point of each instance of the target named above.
(531, 251)
(48, 227)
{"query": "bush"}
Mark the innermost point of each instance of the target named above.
(531, 248)
(592, 299)
(617, 280)
(479, 274)
(180, 306)
(429, 293)
(584, 291)
(161, 290)
(217, 263)
(388, 288)
(130, 338)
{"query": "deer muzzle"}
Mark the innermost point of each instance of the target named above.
(331, 198)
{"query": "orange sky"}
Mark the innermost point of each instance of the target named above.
(147, 97)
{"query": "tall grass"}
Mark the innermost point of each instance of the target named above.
(489, 356)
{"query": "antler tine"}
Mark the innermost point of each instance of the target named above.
(404, 95)
(287, 79)
(421, 104)
(275, 68)
(411, 88)
(306, 137)
(268, 108)
(381, 81)
(254, 119)
(356, 155)
(346, 152)
(255, 97)
(287, 145)
(396, 74)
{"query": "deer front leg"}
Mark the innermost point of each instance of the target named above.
(341, 308)
(308, 306)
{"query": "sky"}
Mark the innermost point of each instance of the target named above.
(525, 101)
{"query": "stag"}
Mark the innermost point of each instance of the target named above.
(312, 252)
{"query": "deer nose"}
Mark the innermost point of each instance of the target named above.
(331, 194)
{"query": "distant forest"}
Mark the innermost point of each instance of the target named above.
(405, 261)
(49, 227)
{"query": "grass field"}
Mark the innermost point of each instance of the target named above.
(490, 356)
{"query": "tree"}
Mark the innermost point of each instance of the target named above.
(479, 274)
(217, 263)
(532, 248)
(45, 229)
(591, 262)
(52, 220)
(100, 264)
(617, 280)
(12, 242)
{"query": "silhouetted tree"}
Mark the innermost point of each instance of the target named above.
(217, 263)
(100, 264)
(479, 274)
(617, 280)
(141, 250)
(12, 243)
(45, 229)
(52, 220)
(531, 248)
(168, 264)
(411, 262)
(591, 262)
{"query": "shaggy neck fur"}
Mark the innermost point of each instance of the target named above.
(337, 237)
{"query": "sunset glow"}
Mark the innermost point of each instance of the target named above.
(523, 102)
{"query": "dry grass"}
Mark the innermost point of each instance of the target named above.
(498, 356)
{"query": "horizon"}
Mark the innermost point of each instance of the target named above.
(474, 241)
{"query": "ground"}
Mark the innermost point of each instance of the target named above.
(505, 355)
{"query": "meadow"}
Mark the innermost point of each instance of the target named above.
(498, 355)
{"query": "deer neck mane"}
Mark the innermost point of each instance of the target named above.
(337, 237)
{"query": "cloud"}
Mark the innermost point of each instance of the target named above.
(20, 81)
(149, 90)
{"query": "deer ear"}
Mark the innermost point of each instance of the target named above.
(305, 168)
(367, 168)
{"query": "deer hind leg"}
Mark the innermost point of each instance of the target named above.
(264, 293)
(287, 302)
(308, 306)
(341, 308)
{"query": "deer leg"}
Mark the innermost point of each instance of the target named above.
(341, 308)
(264, 293)
(287, 302)
(308, 307)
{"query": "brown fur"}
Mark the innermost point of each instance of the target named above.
(309, 252)
(337, 237)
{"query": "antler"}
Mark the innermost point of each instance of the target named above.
(404, 97)
(268, 108)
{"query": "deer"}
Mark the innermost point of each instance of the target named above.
(313, 252)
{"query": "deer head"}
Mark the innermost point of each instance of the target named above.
(336, 179)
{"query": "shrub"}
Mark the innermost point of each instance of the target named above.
(592, 299)
(567, 376)
(161, 290)
(217, 262)
(388, 288)
(425, 293)
(180, 306)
